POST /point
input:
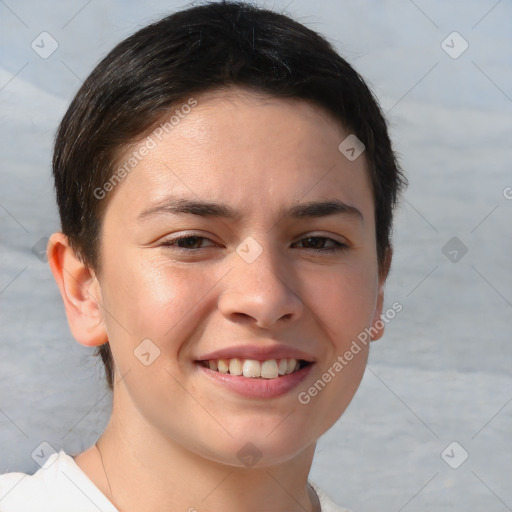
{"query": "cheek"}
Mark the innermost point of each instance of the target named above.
(343, 304)
(147, 298)
(344, 300)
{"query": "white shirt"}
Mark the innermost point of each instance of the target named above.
(61, 486)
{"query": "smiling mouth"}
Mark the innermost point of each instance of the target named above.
(254, 369)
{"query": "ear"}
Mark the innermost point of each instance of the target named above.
(80, 291)
(377, 328)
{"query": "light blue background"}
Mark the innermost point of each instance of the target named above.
(442, 371)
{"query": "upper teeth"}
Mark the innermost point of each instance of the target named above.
(251, 368)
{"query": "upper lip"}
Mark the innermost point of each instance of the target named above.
(258, 352)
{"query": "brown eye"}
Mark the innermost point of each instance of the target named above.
(318, 243)
(315, 242)
(190, 242)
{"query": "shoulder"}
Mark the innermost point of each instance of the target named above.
(59, 486)
(326, 503)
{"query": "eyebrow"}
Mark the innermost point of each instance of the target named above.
(323, 209)
(201, 208)
(191, 206)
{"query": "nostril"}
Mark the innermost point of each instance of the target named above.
(242, 318)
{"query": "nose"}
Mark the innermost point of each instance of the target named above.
(260, 292)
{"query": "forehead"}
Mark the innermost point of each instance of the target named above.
(243, 147)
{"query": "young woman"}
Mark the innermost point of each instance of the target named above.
(226, 186)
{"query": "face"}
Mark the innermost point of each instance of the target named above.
(242, 239)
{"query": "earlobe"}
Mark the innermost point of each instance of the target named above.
(80, 292)
(377, 328)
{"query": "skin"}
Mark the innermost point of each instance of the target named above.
(173, 437)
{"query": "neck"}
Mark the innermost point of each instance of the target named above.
(137, 468)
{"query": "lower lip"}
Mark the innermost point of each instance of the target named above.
(258, 387)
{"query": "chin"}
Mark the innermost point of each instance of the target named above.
(259, 448)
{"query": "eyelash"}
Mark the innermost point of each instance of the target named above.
(337, 248)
